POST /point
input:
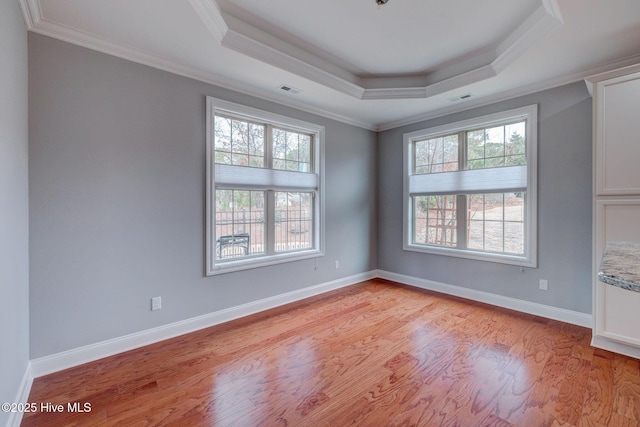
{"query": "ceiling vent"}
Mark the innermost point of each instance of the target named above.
(460, 98)
(290, 89)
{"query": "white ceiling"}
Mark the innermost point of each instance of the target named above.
(373, 66)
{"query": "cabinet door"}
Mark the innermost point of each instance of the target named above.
(615, 309)
(617, 136)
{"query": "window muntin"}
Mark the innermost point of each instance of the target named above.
(264, 197)
(483, 205)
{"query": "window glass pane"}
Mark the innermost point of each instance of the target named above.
(238, 142)
(305, 149)
(514, 207)
(291, 151)
(222, 136)
(256, 140)
(475, 146)
(420, 170)
(256, 145)
(475, 164)
(436, 155)
(239, 223)
(496, 146)
(495, 222)
(256, 162)
(515, 144)
(494, 142)
(496, 153)
(261, 218)
(279, 145)
(240, 159)
(240, 136)
(514, 238)
(435, 220)
(294, 221)
(516, 160)
(279, 164)
(493, 236)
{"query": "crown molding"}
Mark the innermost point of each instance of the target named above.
(545, 19)
(623, 70)
(552, 8)
(513, 93)
(36, 23)
(267, 40)
(242, 37)
(211, 17)
(291, 63)
(250, 41)
(461, 80)
(31, 12)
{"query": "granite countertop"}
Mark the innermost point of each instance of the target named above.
(621, 265)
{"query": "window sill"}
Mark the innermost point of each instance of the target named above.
(521, 261)
(250, 263)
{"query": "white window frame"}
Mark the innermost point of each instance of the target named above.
(250, 178)
(491, 180)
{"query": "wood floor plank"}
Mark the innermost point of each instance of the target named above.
(374, 354)
(626, 387)
(598, 405)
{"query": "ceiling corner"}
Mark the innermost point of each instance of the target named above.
(31, 12)
(553, 9)
(211, 16)
(541, 22)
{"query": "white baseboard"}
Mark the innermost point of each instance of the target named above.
(67, 359)
(615, 347)
(15, 418)
(549, 312)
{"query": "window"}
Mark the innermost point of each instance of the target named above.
(264, 188)
(470, 188)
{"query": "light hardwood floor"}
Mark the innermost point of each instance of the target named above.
(373, 354)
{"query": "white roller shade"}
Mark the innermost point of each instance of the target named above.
(509, 178)
(241, 176)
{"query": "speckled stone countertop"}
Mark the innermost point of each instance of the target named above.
(621, 265)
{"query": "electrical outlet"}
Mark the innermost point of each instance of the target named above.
(156, 303)
(337, 264)
(544, 285)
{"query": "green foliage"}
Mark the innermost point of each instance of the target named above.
(486, 148)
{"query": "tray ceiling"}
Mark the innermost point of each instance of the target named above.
(354, 61)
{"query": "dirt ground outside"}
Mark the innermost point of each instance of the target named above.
(493, 227)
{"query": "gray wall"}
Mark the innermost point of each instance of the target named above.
(117, 175)
(564, 208)
(14, 210)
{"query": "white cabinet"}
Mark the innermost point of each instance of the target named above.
(616, 311)
(616, 202)
(617, 135)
